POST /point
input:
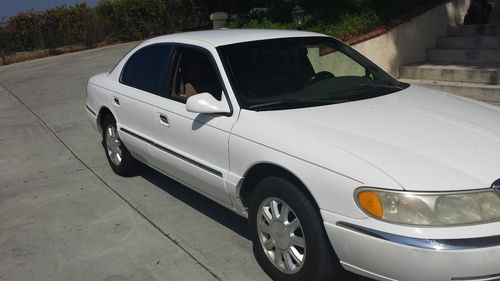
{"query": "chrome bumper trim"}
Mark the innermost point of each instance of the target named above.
(431, 244)
(491, 277)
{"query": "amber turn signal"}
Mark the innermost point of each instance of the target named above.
(369, 201)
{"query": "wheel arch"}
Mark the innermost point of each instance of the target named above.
(103, 112)
(260, 171)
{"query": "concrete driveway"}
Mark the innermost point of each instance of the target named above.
(64, 215)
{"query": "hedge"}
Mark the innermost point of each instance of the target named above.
(125, 20)
(110, 20)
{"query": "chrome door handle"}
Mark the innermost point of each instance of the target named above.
(164, 120)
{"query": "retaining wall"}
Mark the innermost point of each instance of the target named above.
(406, 41)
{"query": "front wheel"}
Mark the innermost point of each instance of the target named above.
(287, 234)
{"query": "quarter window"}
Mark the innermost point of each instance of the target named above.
(145, 69)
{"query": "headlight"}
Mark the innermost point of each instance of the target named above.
(430, 209)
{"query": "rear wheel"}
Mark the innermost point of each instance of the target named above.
(289, 242)
(118, 156)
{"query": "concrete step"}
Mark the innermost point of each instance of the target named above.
(474, 30)
(486, 93)
(452, 73)
(464, 56)
(469, 42)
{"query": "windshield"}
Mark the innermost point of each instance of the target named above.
(302, 72)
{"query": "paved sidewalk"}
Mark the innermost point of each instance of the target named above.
(64, 215)
(58, 221)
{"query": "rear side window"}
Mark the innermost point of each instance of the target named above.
(145, 70)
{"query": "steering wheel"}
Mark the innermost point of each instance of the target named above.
(322, 75)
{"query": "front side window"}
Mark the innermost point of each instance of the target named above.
(145, 69)
(302, 72)
(194, 73)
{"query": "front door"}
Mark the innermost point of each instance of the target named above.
(192, 147)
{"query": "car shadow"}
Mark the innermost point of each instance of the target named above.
(202, 204)
(213, 210)
(201, 119)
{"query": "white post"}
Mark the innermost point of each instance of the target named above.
(219, 19)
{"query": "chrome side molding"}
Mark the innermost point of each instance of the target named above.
(173, 153)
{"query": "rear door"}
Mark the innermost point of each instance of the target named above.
(134, 98)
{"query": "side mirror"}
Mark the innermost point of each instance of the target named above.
(206, 103)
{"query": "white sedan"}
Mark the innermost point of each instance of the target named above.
(334, 162)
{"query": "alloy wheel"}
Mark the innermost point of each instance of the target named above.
(113, 145)
(281, 235)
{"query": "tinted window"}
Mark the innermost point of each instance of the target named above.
(301, 72)
(194, 74)
(145, 69)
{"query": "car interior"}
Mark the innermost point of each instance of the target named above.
(194, 74)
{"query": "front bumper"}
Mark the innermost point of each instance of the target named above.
(92, 115)
(383, 255)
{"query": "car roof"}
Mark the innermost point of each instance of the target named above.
(223, 37)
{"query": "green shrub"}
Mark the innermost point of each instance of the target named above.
(67, 25)
(26, 32)
(132, 19)
(126, 20)
(343, 19)
(83, 25)
(7, 45)
(52, 28)
(349, 25)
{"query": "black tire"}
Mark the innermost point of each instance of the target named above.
(320, 262)
(128, 166)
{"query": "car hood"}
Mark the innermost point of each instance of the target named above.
(424, 140)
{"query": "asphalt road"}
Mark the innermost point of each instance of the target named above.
(64, 215)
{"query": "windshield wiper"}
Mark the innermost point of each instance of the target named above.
(378, 86)
(348, 94)
(291, 103)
